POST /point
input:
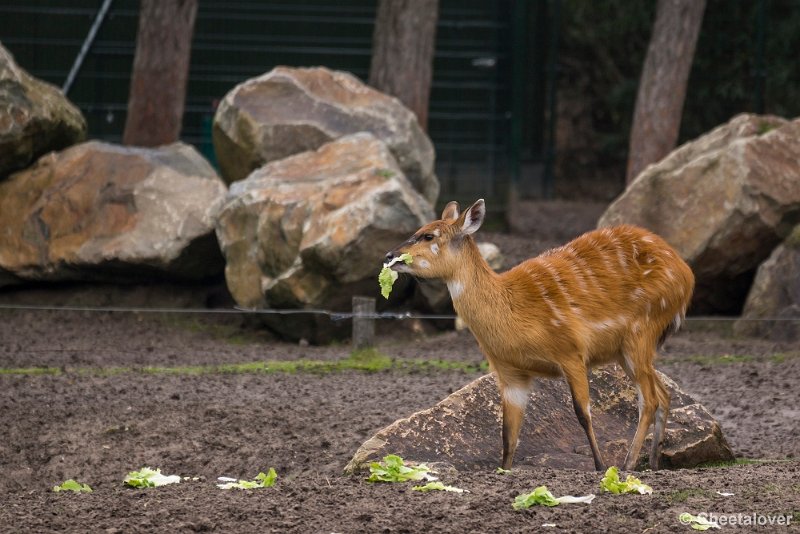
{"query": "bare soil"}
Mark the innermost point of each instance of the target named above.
(103, 414)
(100, 411)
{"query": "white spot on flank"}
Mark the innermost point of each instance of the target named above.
(455, 288)
(647, 239)
(435, 249)
(663, 303)
(648, 271)
(516, 396)
(637, 293)
(424, 264)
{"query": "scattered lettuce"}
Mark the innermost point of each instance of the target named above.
(149, 478)
(72, 485)
(387, 276)
(261, 481)
(437, 486)
(697, 523)
(613, 484)
(542, 496)
(501, 471)
(394, 469)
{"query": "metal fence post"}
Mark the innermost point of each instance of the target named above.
(363, 327)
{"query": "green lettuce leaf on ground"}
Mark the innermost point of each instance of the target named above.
(149, 478)
(542, 496)
(73, 485)
(261, 481)
(437, 486)
(697, 523)
(387, 276)
(394, 469)
(613, 484)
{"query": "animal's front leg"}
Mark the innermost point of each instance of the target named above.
(579, 387)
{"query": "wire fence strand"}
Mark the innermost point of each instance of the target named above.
(334, 315)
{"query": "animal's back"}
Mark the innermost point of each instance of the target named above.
(609, 283)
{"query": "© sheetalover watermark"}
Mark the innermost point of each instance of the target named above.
(715, 520)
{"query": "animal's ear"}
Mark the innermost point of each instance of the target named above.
(450, 212)
(473, 217)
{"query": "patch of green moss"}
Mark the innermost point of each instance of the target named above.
(384, 173)
(793, 240)
(781, 357)
(31, 371)
(764, 127)
(365, 361)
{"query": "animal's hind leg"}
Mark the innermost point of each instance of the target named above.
(661, 415)
(643, 376)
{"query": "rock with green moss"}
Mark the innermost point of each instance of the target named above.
(35, 117)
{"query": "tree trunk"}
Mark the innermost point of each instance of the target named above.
(403, 43)
(160, 71)
(662, 89)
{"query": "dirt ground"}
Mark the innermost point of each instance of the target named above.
(80, 398)
(102, 413)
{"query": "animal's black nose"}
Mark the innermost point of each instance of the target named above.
(389, 256)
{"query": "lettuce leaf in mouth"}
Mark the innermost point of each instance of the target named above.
(388, 277)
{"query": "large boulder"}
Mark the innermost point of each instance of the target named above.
(772, 309)
(310, 230)
(464, 430)
(35, 117)
(724, 201)
(291, 110)
(98, 211)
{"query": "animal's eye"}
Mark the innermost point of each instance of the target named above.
(428, 237)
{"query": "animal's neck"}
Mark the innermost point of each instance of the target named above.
(474, 287)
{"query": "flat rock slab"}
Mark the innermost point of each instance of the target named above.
(464, 430)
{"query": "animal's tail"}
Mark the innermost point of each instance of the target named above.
(672, 327)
